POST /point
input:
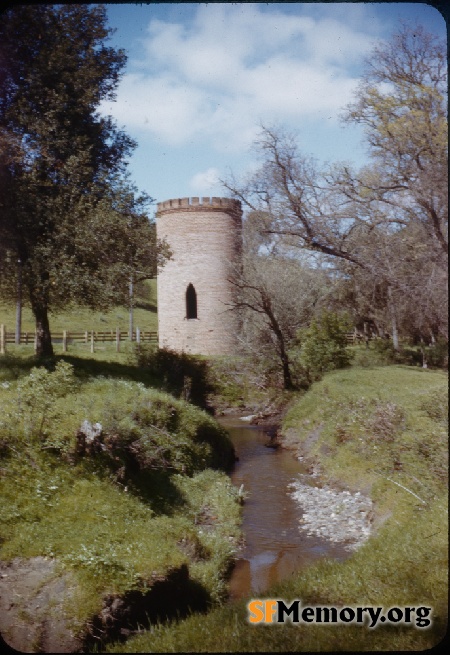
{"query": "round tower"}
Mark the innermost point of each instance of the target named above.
(194, 293)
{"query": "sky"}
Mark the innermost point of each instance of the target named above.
(201, 79)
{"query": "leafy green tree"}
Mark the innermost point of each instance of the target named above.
(70, 220)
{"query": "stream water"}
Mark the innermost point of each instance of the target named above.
(274, 545)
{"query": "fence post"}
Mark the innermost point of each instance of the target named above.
(92, 341)
(86, 337)
(64, 341)
(2, 339)
(138, 335)
(118, 339)
(35, 341)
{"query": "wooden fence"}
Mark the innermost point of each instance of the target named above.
(88, 337)
(92, 337)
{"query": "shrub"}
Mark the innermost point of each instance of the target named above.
(437, 354)
(323, 345)
(30, 413)
(183, 375)
(434, 356)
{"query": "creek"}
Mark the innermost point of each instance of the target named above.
(274, 545)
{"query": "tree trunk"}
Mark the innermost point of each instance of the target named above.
(287, 379)
(44, 346)
(19, 302)
(395, 341)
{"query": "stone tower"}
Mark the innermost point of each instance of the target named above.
(194, 294)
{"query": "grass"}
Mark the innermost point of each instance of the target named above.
(145, 503)
(381, 430)
(82, 319)
(371, 427)
(379, 419)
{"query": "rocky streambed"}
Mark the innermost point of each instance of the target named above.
(339, 516)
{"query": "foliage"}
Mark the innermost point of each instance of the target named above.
(181, 374)
(436, 354)
(323, 345)
(134, 432)
(72, 227)
(401, 102)
(30, 414)
(381, 231)
(382, 352)
(274, 296)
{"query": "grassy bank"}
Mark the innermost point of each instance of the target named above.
(382, 431)
(121, 485)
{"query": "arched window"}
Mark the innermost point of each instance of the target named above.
(191, 302)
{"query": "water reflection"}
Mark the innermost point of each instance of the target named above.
(275, 547)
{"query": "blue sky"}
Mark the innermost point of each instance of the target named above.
(202, 77)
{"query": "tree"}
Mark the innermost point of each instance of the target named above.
(275, 297)
(323, 345)
(68, 211)
(370, 223)
(402, 103)
(290, 192)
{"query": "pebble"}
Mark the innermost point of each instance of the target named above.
(338, 516)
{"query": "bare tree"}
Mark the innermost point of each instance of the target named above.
(275, 297)
(386, 224)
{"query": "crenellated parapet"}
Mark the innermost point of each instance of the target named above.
(228, 205)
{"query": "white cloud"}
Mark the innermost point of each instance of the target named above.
(205, 181)
(234, 66)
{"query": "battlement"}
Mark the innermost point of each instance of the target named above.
(196, 204)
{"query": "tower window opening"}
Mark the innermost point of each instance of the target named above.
(191, 302)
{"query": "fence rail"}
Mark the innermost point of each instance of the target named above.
(89, 337)
(359, 337)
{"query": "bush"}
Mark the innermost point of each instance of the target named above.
(133, 431)
(118, 425)
(323, 346)
(182, 375)
(435, 356)
(29, 414)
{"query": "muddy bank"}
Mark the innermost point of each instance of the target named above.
(32, 597)
(33, 594)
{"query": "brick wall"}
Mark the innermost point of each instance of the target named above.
(204, 237)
